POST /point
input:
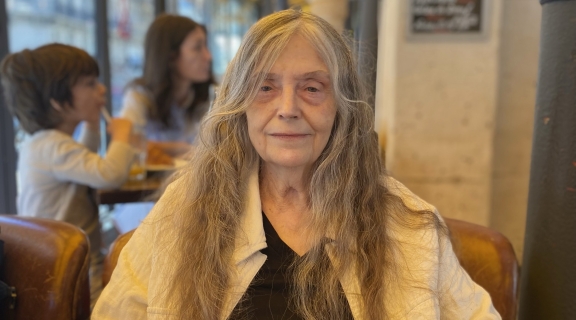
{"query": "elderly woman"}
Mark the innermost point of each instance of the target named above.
(285, 210)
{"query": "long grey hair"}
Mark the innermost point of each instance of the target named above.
(348, 197)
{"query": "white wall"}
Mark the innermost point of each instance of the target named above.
(456, 114)
(439, 103)
(333, 11)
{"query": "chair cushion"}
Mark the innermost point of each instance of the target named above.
(47, 261)
(489, 259)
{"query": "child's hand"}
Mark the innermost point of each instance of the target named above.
(120, 129)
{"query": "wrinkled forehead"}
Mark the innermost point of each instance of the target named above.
(320, 74)
(271, 54)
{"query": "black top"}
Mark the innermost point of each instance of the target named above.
(268, 296)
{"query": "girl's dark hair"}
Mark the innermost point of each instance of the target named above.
(161, 48)
(30, 78)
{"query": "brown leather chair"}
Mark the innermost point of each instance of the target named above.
(47, 262)
(485, 254)
(111, 258)
(489, 259)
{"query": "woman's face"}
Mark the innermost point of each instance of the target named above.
(291, 119)
(193, 62)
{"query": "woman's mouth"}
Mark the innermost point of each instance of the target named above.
(289, 136)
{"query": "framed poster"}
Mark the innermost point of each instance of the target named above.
(447, 19)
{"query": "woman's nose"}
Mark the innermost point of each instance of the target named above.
(288, 108)
(207, 54)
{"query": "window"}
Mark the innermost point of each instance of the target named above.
(128, 21)
(32, 23)
(226, 21)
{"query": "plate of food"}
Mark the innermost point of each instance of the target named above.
(158, 160)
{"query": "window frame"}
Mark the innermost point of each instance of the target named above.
(8, 157)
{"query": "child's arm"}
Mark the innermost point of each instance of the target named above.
(74, 162)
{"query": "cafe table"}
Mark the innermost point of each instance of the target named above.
(133, 190)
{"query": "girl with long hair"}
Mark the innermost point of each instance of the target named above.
(173, 93)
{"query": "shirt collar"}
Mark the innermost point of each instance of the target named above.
(250, 236)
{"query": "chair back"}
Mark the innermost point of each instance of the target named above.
(112, 257)
(485, 254)
(489, 259)
(47, 262)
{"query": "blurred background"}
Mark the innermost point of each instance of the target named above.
(454, 102)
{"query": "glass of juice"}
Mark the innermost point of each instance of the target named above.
(139, 143)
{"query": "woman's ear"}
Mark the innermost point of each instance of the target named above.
(56, 105)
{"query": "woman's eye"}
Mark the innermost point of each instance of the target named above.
(312, 89)
(265, 88)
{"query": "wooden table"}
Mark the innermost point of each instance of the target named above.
(132, 191)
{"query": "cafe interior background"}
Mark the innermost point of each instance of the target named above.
(454, 112)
